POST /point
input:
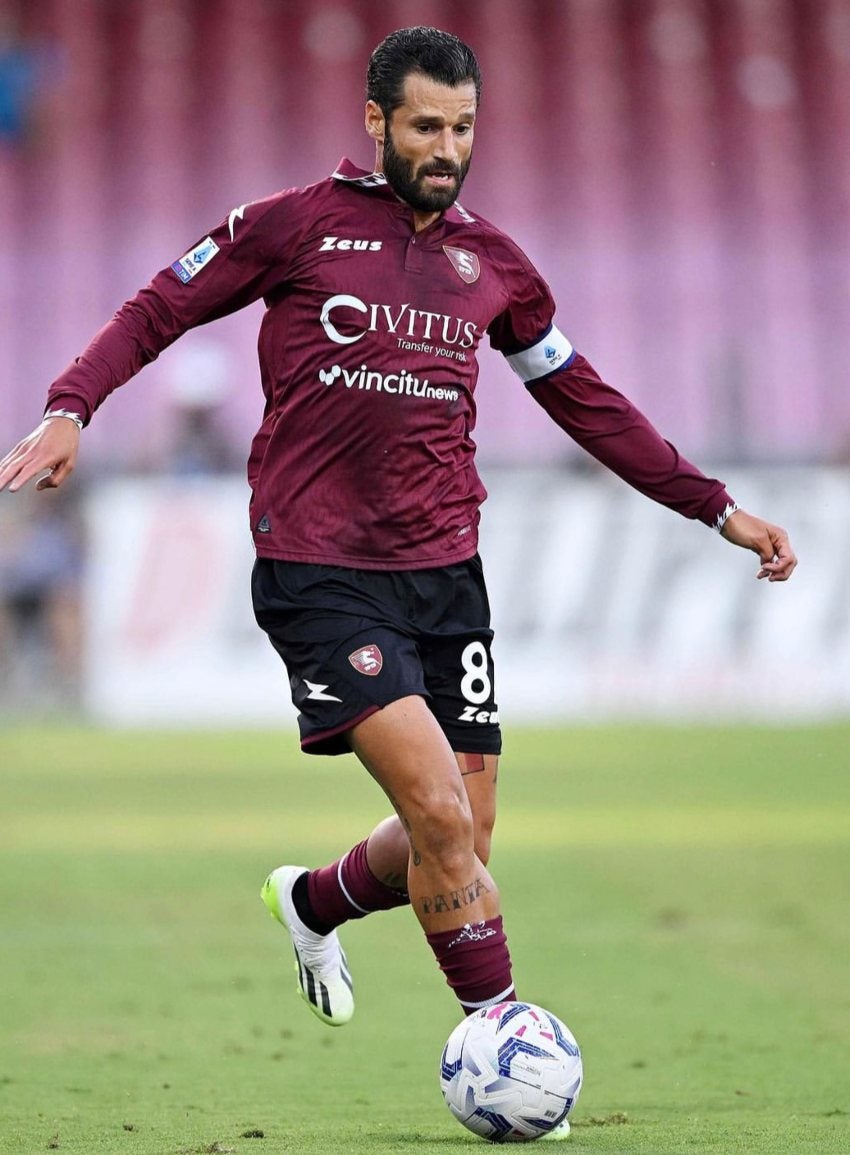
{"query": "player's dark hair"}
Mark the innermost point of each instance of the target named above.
(428, 51)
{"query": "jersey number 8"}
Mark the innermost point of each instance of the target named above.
(475, 684)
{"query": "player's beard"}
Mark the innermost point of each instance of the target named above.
(409, 183)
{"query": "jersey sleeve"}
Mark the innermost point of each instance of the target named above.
(600, 419)
(524, 331)
(617, 434)
(239, 262)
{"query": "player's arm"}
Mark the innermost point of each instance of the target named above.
(608, 425)
(618, 435)
(236, 264)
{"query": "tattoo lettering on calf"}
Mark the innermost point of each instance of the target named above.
(455, 899)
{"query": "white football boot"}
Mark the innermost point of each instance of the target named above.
(324, 980)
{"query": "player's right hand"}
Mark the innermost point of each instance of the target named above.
(50, 450)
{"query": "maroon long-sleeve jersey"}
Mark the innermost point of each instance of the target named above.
(367, 355)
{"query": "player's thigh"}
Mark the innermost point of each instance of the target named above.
(389, 844)
(405, 750)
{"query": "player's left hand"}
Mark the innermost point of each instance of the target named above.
(770, 542)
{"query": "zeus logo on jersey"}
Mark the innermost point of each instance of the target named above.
(402, 320)
(344, 244)
(191, 264)
(235, 215)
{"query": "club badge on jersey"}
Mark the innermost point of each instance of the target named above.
(466, 264)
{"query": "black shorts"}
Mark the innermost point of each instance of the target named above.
(355, 640)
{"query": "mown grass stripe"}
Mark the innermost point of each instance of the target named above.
(525, 827)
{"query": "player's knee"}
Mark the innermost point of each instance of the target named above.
(444, 830)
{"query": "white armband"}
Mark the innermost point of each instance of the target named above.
(551, 352)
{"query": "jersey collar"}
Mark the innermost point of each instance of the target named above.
(351, 174)
(376, 183)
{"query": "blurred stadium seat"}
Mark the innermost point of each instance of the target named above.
(680, 170)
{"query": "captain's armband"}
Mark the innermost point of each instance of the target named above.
(551, 352)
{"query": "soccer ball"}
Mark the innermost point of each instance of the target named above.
(511, 1072)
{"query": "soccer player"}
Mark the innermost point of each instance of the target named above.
(365, 501)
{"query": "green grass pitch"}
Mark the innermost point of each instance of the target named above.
(678, 895)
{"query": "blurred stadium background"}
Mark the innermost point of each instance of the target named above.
(680, 171)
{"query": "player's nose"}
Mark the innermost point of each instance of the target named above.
(446, 147)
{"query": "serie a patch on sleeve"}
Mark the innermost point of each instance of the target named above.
(191, 264)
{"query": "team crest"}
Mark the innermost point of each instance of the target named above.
(367, 660)
(466, 264)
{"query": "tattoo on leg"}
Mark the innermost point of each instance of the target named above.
(455, 899)
(470, 763)
(415, 856)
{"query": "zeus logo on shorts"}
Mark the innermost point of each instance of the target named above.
(471, 714)
(367, 660)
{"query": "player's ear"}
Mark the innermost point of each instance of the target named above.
(375, 123)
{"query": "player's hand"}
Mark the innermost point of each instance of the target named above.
(770, 542)
(50, 450)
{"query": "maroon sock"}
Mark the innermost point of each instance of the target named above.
(347, 889)
(475, 960)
